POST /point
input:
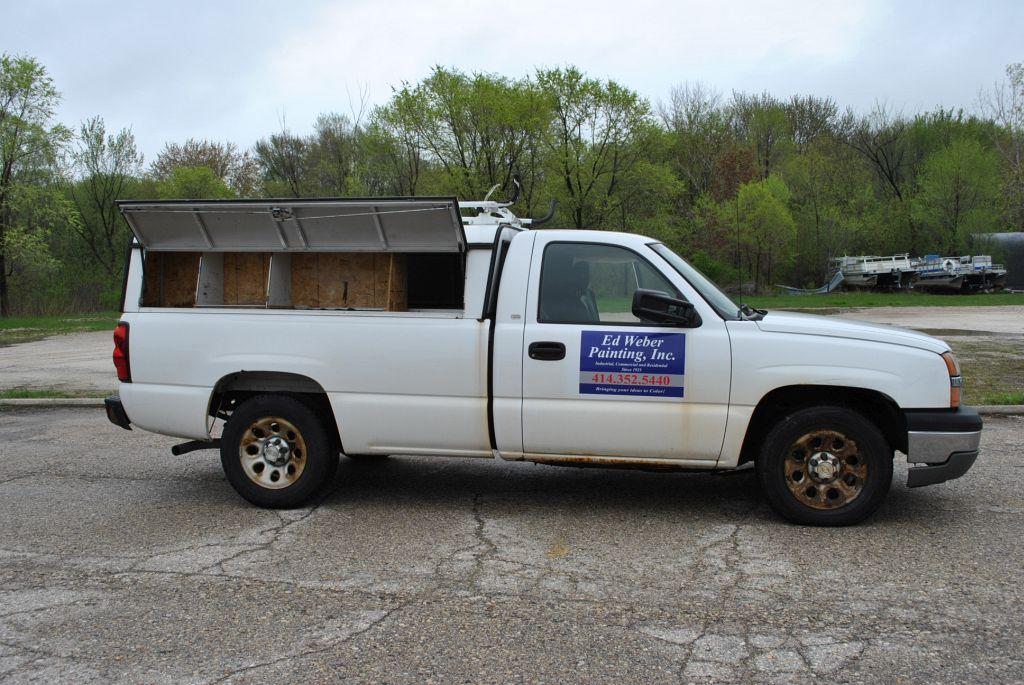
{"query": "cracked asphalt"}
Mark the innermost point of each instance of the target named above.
(120, 563)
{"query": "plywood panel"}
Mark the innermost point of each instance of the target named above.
(181, 276)
(170, 279)
(332, 282)
(361, 280)
(381, 268)
(230, 280)
(397, 280)
(245, 278)
(361, 283)
(305, 282)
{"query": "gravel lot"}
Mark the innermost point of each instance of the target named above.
(1005, 320)
(121, 563)
(76, 362)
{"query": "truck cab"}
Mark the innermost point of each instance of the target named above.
(426, 332)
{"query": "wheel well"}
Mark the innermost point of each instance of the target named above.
(878, 408)
(235, 388)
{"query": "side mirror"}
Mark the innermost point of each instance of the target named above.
(659, 307)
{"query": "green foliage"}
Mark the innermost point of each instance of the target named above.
(108, 165)
(714, 269)
(1002, 397)
(193, 183)
(29, 146)
(698, 132)
(648, 195)
(334, 154)
(756, 189)
(286, 163)
(390, 163)
(41, 212)
(1004, 104)
(239, 170)
(594, 138)
(478, 129)
(94, 321)
(766, 226)
(763, 122)
(958, 195)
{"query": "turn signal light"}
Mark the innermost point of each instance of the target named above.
(951, 364)
(124, 371)
(956, 380)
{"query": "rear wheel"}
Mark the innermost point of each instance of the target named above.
(276, 452)
(825, 466)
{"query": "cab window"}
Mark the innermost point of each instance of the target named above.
(586, 283)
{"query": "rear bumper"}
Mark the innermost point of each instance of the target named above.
(115, 412)
(945, 441)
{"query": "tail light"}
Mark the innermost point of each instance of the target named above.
(956, 379)
(124, 369)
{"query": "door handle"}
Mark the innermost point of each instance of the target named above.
(547, 351)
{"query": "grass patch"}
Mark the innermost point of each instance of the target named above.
(992, 369)
(15, 329)
(873, 299)
(26, 394)
(1004, 398)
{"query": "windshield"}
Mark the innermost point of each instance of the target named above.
(725, 307)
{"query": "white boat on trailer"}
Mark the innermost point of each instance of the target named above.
(871, 271)
(972, 273)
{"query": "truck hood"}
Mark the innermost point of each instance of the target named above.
(810, 324)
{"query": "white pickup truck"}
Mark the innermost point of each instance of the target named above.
(287, 332)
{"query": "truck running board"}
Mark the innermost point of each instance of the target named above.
(193, 445)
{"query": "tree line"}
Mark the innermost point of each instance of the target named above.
(753, 188)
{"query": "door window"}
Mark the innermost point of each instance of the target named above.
(587, 283)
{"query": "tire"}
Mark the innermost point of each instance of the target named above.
(276, 452)
(825, 466)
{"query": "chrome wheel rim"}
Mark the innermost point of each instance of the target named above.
(824, 469)
(272, 452)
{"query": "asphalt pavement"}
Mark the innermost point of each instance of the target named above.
(121, 563)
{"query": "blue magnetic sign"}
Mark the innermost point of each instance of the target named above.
(618, 363)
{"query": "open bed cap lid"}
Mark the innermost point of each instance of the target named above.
(422, 224)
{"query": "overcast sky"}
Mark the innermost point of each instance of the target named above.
(232, 70)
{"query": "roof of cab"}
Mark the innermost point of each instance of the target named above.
(482, 235)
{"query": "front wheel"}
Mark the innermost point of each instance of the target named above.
(276, 452)
(825, 466)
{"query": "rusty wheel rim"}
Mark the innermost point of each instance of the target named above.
(824, 469)
(272, 452)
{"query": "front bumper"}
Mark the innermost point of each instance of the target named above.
(116, 413)
(945, 441)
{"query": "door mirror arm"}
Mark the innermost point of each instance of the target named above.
(659, 307)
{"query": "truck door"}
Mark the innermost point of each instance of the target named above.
(598, 381)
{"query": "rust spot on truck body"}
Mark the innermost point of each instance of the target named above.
(584, 461)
